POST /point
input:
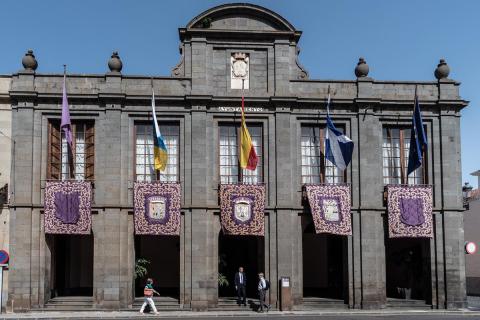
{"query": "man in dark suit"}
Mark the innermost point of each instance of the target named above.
(241, 286)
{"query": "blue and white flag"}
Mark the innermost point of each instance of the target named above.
(418, 139)
(338, 147)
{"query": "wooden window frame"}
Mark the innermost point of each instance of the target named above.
(55, 147)
(240, 174)
(403, 152)
(160, 123)
(323, 159)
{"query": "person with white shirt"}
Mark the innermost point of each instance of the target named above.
(262, 289)
(241, 286)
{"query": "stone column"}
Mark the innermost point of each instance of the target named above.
(282, 67)
(199, 66)
(109, 231)
(203, 280)
(289, 244)
(371, 227)
(20, 283)
(453, 234)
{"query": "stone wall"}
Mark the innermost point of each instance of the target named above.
(5, 168)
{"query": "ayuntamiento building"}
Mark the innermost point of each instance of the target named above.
(198, 110)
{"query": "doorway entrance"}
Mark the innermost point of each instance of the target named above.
(162, 254)
(408, 268)
(240, 251)
(324, 264)
(72, 265)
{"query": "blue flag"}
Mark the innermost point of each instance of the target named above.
(418, 140)
(338, 147)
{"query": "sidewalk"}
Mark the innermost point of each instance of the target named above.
(215, 314)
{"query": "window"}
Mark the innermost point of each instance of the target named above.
(144, 163)
(315, 167)
(79, 164)
(229, 155)
(396, 144)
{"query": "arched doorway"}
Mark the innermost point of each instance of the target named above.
(324, 264)
(408, 269)
(71, 265)
(240, 251)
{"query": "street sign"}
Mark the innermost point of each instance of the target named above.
(470, 247)
(4, 257)
(2, 266)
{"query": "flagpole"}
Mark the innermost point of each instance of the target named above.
(328, 101)
(157, 172)
(241, 121)
(71, 167)
(415, 98)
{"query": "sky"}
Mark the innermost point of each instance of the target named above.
(400, 40)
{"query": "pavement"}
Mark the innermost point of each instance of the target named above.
(230, 315)
(473, 312)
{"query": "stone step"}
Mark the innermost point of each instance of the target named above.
(230, 304)
(407, 304)
(314, 303)
(161, 303)
(74, 303)
(72, 298)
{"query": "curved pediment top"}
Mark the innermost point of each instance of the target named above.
(240, 16)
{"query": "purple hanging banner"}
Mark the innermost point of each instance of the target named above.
(157, 208)
(242, 209)
(330, 207)
(410, 211)
(68, 207)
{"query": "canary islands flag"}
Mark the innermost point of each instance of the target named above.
(248, 156)
(159, 149)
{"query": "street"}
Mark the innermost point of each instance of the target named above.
(379, 315)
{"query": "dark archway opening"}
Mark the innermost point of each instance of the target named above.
(325, 267)
(240, 251)
(163, 255)
(72, 265)
(408, 268)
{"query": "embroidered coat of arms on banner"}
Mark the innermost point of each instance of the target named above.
(242, 209)
(330, 207)
(68, 207)
(410, 211)
(157, 208)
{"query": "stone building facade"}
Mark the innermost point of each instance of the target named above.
(5, 168)
(199, 105)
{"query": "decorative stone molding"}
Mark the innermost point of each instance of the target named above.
(302, 73)
(240, 70)
(115, 64)
(29, 62)
(179, 69)
(442, 71)
(362, 68)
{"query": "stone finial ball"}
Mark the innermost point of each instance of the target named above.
(361, 70)
(115, 64)
(443, 70)
(29, 62)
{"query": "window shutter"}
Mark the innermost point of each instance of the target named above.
(54, 151)
(89, 151)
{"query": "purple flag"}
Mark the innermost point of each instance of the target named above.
(66, 125)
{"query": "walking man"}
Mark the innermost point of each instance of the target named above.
(148, 292)
(241, 287)
(263, 286)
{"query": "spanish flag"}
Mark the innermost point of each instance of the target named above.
(248, 157)
(159, 149)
